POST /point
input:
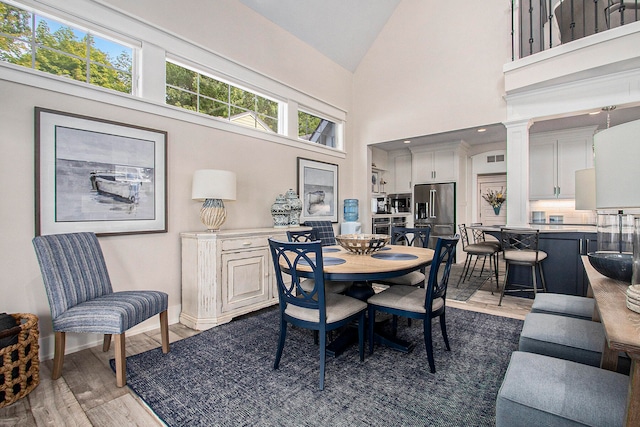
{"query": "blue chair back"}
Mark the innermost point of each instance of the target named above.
(443, 257)
(410, 236)
(302, 236)
(73, 269)
(287, 257)
(324, 231)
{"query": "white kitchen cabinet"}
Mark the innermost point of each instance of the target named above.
(226, 274)
(401, 174)
(554, 158)
(434, 166)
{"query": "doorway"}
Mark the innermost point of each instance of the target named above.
(486, 213)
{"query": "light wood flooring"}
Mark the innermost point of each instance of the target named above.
(86, 394)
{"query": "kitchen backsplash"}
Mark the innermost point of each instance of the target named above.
(561, 211)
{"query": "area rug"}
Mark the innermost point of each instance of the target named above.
(224, 377)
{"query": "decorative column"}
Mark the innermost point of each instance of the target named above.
(518, 172)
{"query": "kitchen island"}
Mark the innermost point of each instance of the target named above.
(564, 244)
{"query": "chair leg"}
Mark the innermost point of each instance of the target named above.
(535, 282)
(544, 284)
(361, 322)
(371, 321)
(283, 335)
(106, 342)
(121, 361)
(504, 285)
(443, 328)
(465, 268)
(323, 356)
(164, 331)
(394, 325)
(495, 264)
(58, 355)
(428, 343)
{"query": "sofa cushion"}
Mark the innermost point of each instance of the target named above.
(564, 305)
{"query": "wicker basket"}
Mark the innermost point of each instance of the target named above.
(362, 244)
(20, 370)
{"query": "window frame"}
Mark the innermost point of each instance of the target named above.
(338, 127)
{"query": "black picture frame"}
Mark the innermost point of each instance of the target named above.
(98, 175)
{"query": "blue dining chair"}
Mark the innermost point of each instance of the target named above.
(324, 231)
(410, 237)
(81, 298)
(315, 309)
(419, 303)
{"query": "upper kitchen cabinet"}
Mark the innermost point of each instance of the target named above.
(400, 173)
(431, 165)
(554, 158)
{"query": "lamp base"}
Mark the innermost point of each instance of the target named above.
(213, 214)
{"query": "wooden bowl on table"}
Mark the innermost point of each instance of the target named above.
(363, 244)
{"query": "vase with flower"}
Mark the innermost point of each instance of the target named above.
(495, 199)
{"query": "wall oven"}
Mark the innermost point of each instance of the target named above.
(383, 225)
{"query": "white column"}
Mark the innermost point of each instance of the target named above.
(518, 172)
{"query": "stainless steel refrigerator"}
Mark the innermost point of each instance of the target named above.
(435, 205)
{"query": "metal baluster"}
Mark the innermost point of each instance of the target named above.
(573, 22)
(530, 27)
(595, 5)
(550, 17)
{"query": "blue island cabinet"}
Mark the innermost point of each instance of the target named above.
(563, 270)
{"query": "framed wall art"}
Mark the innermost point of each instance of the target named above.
(98, 175)
(318, 190)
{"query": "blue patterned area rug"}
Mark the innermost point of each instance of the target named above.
(224, 377)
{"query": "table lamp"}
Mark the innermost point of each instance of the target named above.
(213, 186)
(617, 151)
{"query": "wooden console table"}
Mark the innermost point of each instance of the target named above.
(622, 332)
(226, 274)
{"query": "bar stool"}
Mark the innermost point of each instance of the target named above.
(520, 247)
(479, 248)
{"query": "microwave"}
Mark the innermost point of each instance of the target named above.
(400, 202)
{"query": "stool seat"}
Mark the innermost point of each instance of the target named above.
(525, 256)
(563, 337)
(544, 391)
(564, 305)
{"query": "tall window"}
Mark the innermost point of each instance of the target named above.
(198, 92)
(34, 41)
(316, 129)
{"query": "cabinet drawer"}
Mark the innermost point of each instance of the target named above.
(244, 243)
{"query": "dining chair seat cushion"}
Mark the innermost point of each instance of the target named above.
(339, 307)
(480, 249)
(334, 287)
(563, 337)
(524, 256)
(408, 298)
(112, 313)
(564, 305)
(544, 391)
(414, 278)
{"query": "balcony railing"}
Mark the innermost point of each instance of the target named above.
(537, 25)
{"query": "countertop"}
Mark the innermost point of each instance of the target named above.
(391, 215)
(549, 228)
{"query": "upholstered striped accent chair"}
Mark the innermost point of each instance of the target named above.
(324, 231)
(82, 300)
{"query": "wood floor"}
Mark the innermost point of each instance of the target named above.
(86, 394)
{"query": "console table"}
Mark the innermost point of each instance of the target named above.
(226, 274)
(622, 332)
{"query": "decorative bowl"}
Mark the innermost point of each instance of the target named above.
(615, 265)
(363, 244)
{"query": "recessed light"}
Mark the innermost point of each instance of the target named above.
(593, 113)
(407, 142)
(482, 130)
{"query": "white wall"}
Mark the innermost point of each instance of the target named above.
(264, 168)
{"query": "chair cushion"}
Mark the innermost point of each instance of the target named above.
(539, 390)
(564, 305)
(408, 298)
(563, 337)
(410, 279)
(339, 307)
(481, 249)
(524, 256)
(330, 286)
(113, 313)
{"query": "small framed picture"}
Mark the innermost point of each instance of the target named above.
(97, 175)
(375, 182)
(318, 189)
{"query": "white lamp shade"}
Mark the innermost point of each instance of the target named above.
(213, 184)
(617, 155)
(586, 189)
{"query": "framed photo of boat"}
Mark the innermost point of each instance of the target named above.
(98, 175)
(318, 190)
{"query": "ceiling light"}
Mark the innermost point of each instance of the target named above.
(407, 142)
(482, 130)
(593, 113)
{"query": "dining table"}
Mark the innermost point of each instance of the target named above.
(364, 270)
(622, 332)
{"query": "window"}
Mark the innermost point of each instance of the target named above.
(194, 91)
(316, 129)
(32, 40)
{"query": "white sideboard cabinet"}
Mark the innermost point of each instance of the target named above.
(226, 274)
